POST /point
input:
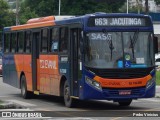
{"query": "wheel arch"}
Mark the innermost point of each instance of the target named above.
(62, 81)
(22, 73)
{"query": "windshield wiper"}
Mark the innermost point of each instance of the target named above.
(111, 47)
(133, 41)
(149, 46)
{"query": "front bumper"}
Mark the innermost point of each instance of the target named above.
(113, 94)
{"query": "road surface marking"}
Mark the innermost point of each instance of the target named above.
(21, 103)
(151, 100)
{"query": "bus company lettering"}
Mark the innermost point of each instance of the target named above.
(100, 36)
(135, 83)
(123, 83)
(126, 21)
(48, 64)
(113, 83)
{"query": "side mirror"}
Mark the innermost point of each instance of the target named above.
(155, 43)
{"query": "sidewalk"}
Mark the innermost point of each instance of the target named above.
(158, 91)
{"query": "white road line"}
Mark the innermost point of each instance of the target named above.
(4, 96)
(150, 99)
(21, 103)
(16, 110)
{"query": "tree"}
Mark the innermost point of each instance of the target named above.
(77, 7)
(41, 8)
(146, 7)
(26, 13)
(7, 17)
(157, 2)
(72, 7)
(115, 5)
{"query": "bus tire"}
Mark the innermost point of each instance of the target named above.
(25, 94)
(69, 102)
(125, 103)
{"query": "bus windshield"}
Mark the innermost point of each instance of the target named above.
(119, 49)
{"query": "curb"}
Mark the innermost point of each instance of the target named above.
(10, 105)
(157, 92)
(7, 105)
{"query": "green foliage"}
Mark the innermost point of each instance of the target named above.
(83, 7)
(157, 2)
(7, 17)
(115, 5)
(32, 8)
(26, 13)
(158, 77)
(42, 7)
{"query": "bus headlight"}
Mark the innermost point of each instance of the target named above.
(150, 82)
(93, 83)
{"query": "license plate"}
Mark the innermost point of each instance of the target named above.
(125, 92)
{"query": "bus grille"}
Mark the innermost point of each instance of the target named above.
(122, 73)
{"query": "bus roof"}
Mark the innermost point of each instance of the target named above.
(38, 22)
(53, 20)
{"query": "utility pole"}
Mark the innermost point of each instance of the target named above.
(146, 7)
(59, 7)
(17, 11)
(138, 5)
(127, 6)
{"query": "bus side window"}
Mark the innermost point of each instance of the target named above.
(44, 40)
(20, 42)
(54, 38)
(6, 42)
(13, 42)
(27, 42)
(63, 39)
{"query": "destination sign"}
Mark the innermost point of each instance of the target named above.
(118, 21)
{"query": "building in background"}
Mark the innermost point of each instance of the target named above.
(133, 3)
(12, 4)
(151, 4)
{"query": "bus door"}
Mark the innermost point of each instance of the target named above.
(75, 60)
(35, 56)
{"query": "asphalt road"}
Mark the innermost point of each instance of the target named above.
(89, 109)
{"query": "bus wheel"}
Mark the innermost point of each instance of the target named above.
(25, 94)
(125, 103)
(69, 102)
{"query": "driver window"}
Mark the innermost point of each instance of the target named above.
(54, 38)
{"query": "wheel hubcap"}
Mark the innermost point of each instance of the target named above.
(23, 89)
(67, 96)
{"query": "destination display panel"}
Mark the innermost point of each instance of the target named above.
(118, 21)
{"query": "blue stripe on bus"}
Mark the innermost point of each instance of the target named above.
(6, 29)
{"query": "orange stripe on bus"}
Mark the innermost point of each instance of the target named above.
(33, 25)
(123, 83)
(41, 19)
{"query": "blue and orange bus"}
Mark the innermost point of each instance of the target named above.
(96, 56)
